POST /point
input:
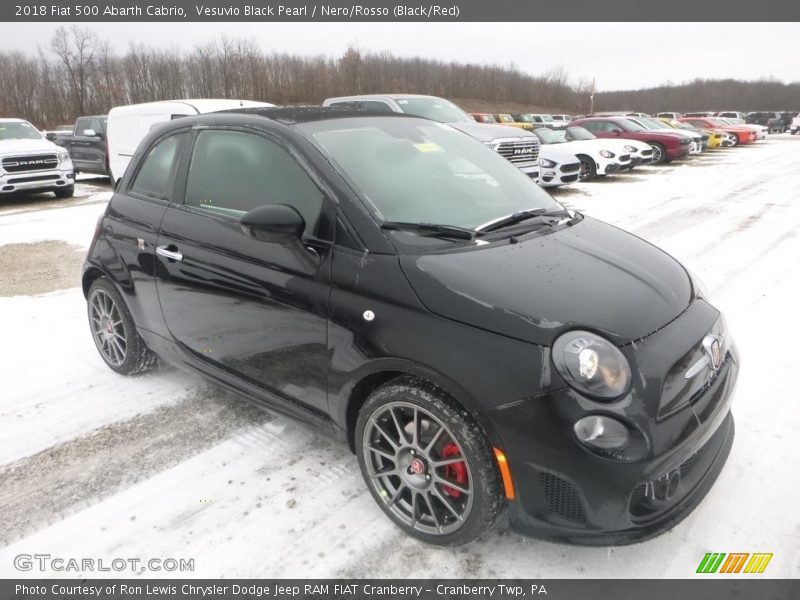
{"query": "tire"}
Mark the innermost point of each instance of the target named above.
(588, 168)
(659, 154)
(735, 140)
(65, 192)
(114, 331)
(411, 483)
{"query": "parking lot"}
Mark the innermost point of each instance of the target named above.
(165, 465)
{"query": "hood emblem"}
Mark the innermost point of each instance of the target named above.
(712, 356)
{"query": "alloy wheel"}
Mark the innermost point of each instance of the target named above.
(418, 468)
(657, 154)
(107, 328)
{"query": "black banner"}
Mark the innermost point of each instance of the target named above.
(398, 10)
(401, 589)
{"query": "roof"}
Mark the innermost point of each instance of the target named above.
(12, 120)
(305, 114)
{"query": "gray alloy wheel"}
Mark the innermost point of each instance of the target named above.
(114, 332)
(659, 154)
(428, 464)
(408, 452)
(107, 328)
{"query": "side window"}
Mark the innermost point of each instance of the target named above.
(154, 178)
(81, 126)
(376, 106)
(95, 124)
(347, 104)
(233, 172)
(592, 125)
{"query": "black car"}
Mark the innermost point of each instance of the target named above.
(771, 120)
(398, 284)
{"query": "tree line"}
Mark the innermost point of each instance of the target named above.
(706, 94)
(79, 73)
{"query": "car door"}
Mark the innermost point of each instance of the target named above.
(79, 144)
(254, 309)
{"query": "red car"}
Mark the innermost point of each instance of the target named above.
(483, 117)
(666, 146)
(743, 135)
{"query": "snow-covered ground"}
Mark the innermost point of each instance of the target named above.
(165, 466)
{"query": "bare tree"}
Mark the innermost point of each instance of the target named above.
(76, 48)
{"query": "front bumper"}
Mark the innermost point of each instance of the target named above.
(561, 174)
(36, 181)
(567, 493)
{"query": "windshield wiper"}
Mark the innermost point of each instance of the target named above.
(519, 217)
(432, 229)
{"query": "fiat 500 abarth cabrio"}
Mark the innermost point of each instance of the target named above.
(485, 352)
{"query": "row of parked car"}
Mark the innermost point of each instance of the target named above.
(774, 121)
(554, 150)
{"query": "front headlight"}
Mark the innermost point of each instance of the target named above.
(630, 148)
(547, 164)
(606, 154)
(591, 365)
(63, 157)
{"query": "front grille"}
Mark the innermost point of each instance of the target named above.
(625, 158)
(648, 152)
(571, 167)
(24, 164)
(646, 499)
(520, 153)
(562, 497)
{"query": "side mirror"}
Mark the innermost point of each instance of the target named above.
(50, 136)
(617, 132)
(90, 133)
(277, 223)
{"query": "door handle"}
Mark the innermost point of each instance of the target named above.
(170, 254)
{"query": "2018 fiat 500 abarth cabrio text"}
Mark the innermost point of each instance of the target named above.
(484, 351)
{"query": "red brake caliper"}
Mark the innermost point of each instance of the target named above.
(455, 472)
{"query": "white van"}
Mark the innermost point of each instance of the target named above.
(127, 125)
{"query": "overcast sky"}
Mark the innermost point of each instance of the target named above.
(618, 55)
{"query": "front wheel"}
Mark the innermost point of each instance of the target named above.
(114, 332)
(588, 168)
(659, 153)
(427, 464)
(65, 192)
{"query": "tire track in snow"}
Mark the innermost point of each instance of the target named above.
(47, 486)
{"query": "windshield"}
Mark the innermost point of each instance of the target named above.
(437, 109)
(653, 123)
(548, 136)
(547, 118)
(629, 125)
(18, 130)
(580, 133)
(413, 171)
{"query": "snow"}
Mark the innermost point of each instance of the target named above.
(188, 474)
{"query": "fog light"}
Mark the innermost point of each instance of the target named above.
(603, 433)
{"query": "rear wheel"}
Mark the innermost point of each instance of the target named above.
(427, 463)
(735, 140)
(659, 153)
(114, 332)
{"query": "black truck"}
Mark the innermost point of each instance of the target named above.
(87, 144)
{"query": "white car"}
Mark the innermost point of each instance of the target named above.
(596, 157)
(127, 125)
(795, 126)
(641, 153)
(558, 166)
(31, 163)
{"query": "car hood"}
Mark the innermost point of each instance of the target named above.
(589, 275)
(27, 146)
(487, 132)
(558, 153)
